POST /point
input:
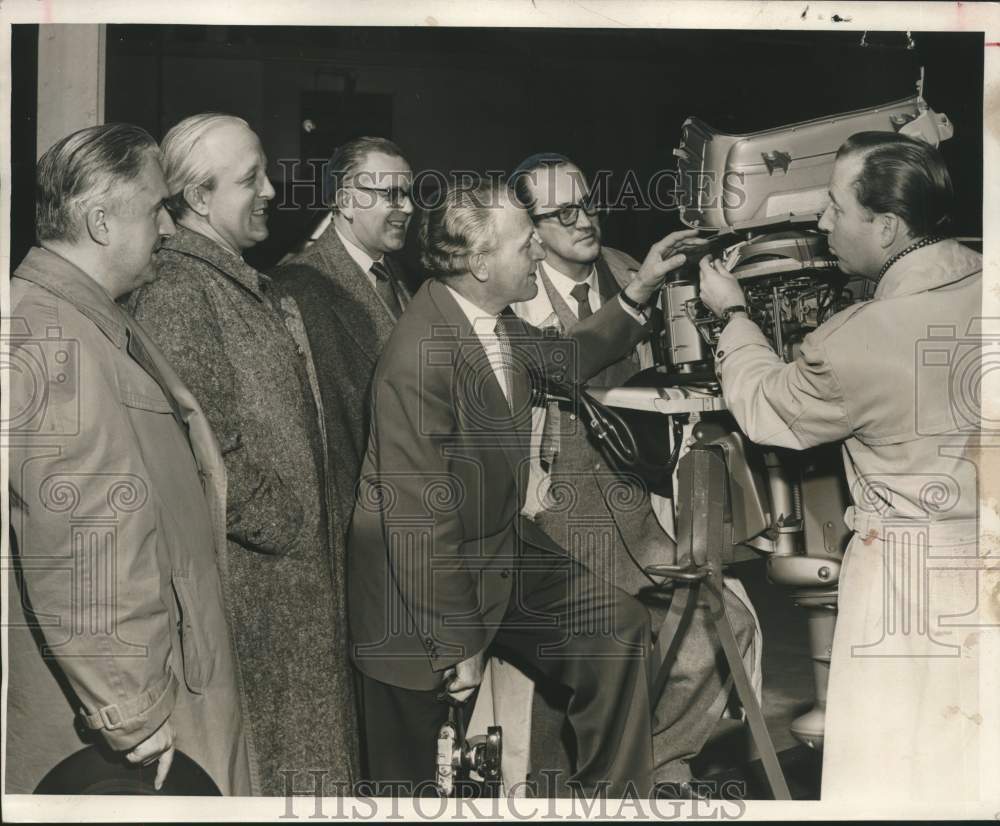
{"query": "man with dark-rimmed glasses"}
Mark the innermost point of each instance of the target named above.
(611, 511)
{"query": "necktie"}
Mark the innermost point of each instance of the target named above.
(506, 360)
(385, 288)
(581, 292)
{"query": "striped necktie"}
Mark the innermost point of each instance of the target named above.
(506, 361)
(386, 289)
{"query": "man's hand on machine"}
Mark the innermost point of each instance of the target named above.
(464, 678)
(719, 288)
(666, 255)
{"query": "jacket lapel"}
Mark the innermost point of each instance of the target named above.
(565, 315)
(482, 406)
(362, 313)
(607, 286)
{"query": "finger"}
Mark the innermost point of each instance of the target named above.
(140, 754)
(692, 243)
(665, 243)
(681, 233)
(707, 265)
(671, 263)
(462, 696)
(166, 760)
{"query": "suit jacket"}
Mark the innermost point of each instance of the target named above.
(581, 491)
(437, 529)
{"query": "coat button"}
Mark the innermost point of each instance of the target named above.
(572, 417)
(720, 353)
(505, 573)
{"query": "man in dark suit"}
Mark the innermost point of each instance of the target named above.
(340, 299)
(607, 518)
(441, 564)
(343, 294)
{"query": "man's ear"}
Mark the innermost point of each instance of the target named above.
(345, 203)
(891, 229)
(97, 225)
(478, 267)
(197, 198)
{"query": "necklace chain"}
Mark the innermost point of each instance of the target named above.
(923, 242)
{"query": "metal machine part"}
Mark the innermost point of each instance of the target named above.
(458, 758)
(734, 182)
(791, 284)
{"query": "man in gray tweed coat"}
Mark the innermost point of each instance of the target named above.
(213, 317)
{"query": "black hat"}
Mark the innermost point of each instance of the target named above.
(95, 770)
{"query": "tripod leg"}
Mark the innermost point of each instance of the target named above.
(755, 716)
(682, 605)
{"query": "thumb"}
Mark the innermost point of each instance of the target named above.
(163, 768)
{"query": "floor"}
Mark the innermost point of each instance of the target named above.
(789, 690)
(728, 761)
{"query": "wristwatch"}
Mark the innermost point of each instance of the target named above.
(631, 302)
(729, 312)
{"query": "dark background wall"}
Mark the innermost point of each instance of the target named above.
(482, 99)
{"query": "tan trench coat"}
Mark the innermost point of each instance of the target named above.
(913, 709)
(119, 524)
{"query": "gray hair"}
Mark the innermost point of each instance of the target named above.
(462, 226)
(83, 168)
(183, 164)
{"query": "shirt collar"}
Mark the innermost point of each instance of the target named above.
(361, 258)
(564, 284)
(929, 267)
(482, 322)
(64, 279)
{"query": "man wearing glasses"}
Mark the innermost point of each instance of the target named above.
(345, 293)
(342, 297)
(611, 511)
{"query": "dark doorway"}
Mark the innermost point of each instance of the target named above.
(327, 120)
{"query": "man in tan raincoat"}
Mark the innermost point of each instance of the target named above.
(117, 633)
(913, 703)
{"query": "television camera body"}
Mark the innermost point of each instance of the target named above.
(763, 193)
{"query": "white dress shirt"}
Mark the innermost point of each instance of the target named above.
(483, 325)
(362, 258)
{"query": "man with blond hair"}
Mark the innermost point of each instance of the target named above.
(214, 317)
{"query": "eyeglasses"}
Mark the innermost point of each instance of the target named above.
(569, 215)
(394, 196)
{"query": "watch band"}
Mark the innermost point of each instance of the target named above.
(635, 305)
(729, 312)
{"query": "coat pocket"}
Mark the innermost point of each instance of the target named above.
(197, 650)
